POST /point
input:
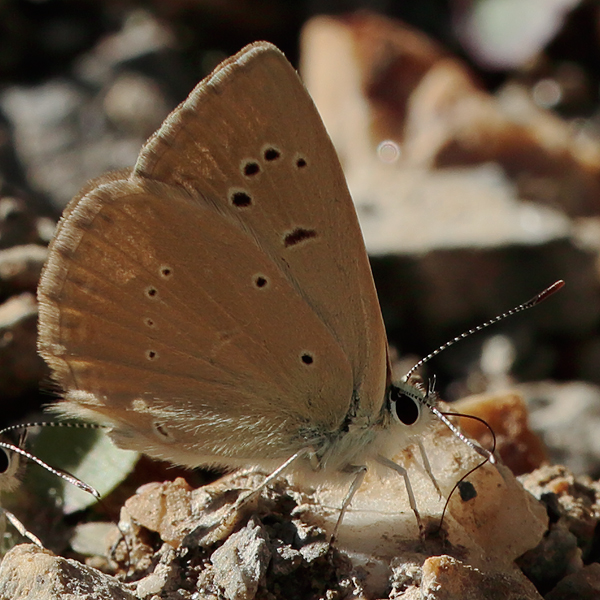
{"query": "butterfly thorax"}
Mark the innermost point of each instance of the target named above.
(348, 443)
(363, 436)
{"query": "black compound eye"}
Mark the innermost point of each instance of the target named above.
(4, 460)
(405, 408)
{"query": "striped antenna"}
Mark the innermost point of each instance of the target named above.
(557, 285)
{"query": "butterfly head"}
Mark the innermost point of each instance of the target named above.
(407, 412)
(407, 402)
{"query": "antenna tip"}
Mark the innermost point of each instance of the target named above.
(557, 285)
(93, 491)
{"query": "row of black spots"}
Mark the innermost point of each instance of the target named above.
(165, 272)
(251, 168)
(150, 355)
(242, 198)
(299, 234)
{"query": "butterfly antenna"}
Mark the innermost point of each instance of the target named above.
(489, 457)
(58, 472)
(513, 311)
(443, 417)
(64, 475)
(74, 425)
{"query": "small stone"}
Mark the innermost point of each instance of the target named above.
(165, 572)
(163, 508)
(240, 564)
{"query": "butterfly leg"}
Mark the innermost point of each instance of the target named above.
(232, 516)
(411, 496)
(225, 522)
(427, 466)
(359, 475)
(276, 473)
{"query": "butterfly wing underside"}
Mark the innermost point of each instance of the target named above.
(216, 304)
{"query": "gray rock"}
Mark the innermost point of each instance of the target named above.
(240, 564)
(567, 417)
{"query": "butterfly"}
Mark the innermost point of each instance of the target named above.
(214, 305)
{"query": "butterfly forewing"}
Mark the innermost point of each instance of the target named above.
(254, 113)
